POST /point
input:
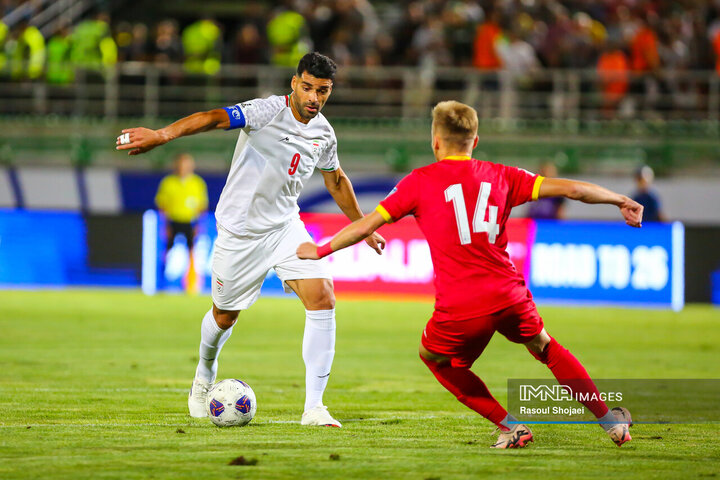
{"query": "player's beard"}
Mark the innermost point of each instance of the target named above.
(302, 108)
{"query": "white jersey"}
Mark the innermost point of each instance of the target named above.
(274, 156)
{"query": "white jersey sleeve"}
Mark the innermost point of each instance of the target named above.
(255, 114)
(329, 158)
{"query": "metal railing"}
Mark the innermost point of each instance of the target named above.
(48, 15)
(564, 96)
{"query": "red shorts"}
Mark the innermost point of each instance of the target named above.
(464, 340)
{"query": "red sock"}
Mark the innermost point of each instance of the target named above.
(469, 389)
(569, 371)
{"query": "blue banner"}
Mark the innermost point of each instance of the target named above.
(606, 262)
(579, 262)
(50, 249)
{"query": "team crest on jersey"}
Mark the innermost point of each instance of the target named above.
(220, 286)
(316, 148)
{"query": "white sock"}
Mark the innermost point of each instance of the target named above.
(212, 339)
(608, 421)
(318, 351)
(506, 422)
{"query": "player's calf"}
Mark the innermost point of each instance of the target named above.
(467, 387)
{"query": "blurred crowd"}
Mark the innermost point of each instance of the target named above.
(512, 35)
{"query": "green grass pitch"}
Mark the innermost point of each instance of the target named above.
(93, 384)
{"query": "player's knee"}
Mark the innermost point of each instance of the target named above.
(225, 318)
(539, 342)
(538, 345)
(431, 359)
(324, 303)
(324, 299)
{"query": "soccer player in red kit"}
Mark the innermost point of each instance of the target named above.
(462, 205)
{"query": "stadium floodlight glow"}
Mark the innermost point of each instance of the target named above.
(149, 252)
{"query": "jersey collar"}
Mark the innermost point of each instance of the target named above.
(457, 157)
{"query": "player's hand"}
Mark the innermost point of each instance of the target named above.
(307, 251)
(139, 140)
(632, 212)
(377, 242)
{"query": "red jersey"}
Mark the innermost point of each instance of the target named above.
(462, 206)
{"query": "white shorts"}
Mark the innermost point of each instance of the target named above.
(240, 264)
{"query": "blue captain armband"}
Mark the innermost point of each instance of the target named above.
(237, 118)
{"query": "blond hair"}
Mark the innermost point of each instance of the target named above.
(455, 122)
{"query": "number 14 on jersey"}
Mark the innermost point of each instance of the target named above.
(454, 194)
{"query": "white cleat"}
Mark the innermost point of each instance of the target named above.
(196, 398)
(319, 416)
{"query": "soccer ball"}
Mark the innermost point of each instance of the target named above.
(231, 403)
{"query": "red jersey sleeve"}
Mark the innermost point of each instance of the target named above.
(402, 200)
(523, 186)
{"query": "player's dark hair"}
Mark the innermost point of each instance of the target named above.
(317, 65)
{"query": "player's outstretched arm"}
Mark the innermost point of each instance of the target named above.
(350, 235)
(590, 193)
(140, 140)
(340, 187)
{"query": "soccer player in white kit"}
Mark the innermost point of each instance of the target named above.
(283, 139)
